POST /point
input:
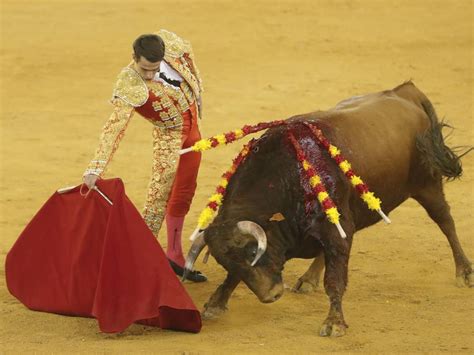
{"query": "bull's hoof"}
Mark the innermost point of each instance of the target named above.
(332, 329)
(212, 312)
(465, 279)
(303, 286)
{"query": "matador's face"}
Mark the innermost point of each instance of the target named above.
(145, 68)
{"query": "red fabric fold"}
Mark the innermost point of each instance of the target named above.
(83, 257)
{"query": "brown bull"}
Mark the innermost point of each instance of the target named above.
(392, 139)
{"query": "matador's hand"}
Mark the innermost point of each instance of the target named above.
(90, 180)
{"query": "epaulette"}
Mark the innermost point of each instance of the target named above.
(131, 88)
(175, 46)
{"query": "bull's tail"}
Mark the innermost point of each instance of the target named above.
(437, 157)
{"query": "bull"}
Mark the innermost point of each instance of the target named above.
(393, 140)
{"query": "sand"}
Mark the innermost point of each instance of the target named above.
(260, 61)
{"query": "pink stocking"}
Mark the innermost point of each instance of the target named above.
(174, 227)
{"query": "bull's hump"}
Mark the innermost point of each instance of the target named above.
(361, 101)
(351, 102)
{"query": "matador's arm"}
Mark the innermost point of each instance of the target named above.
(130, 91)
(111, 135)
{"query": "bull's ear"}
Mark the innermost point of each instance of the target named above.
(278, 217)
(251, 250)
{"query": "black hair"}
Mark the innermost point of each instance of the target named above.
(149, 46)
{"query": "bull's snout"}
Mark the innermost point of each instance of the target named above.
(274, 294)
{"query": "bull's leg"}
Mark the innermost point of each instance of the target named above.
(433, 200)
(310, 279)
(217, 303)
(336, 255)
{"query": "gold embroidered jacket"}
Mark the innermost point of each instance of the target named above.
(159, 103)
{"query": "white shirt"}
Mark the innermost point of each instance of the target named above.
(169, 72)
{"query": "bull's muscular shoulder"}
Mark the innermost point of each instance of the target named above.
(175, 46)
(130, 87)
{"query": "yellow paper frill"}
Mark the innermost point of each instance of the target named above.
(356, 180)
(333, 215)
(206, 217)
(239, 133)
(373, 203)
(334, 151)
(322, 196)
(345, 166)
(203, 144)
(216, 198)
(314, 180)
(220, 138)
(224, 183)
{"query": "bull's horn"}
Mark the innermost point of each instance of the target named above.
(198, 245)
(252, 228)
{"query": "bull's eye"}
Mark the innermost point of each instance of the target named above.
(251, 251)
(255, 149)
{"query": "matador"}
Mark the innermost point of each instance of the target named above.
(163, 85)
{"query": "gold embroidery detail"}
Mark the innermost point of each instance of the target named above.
(171, 104)
(166, 145)
(131, 88)
(156, 106)
(188, 93)
(180, 56)
(175, 46)
(112, 134)
(186, 73)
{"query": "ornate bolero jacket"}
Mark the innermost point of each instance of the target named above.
(161, 104)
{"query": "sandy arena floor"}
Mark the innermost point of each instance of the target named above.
(260, 60)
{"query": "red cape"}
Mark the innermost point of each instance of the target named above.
(83, 257)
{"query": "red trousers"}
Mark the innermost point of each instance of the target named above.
(185, 182)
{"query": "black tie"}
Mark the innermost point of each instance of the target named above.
(169, 81)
